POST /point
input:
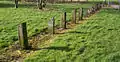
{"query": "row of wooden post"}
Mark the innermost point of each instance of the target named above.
(94, 9)
(63, 23)
(22, 29)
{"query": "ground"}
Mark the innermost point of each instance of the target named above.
(96, 39)
(36, 19)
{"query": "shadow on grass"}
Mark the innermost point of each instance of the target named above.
(54, 48)
(94, 19)
(7, 5)
(90, 2)
(78, 32)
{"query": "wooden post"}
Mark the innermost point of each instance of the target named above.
(51, 26)
(16, 3)
(38, 3)
(93, 10)
(96, 7)
(22, 33)
(63, 21)
(81, 14)
(41, 6)
(74, 16)
(88, 12)
(100, 5)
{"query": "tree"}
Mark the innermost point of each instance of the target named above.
(41, 4)
(44, 3)
(16, 3)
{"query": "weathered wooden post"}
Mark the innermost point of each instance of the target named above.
(51, 26)
(93, 10)
(88, 12)
(38, 3)
(16, 3)
(96, 7)
(103, 5)
(22, 36)
(81, 14)
(74, 16)
(63, 21)
(99, 6)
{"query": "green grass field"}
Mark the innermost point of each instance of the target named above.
(96, 40)
(27, 12)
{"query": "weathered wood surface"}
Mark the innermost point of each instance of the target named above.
(63, 21)
(22, 36)
(81, 14)
(74, 16)
(51, 26)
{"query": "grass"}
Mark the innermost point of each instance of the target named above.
(27, 12)
(97, 40)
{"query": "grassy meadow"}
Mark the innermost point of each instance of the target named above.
(96, 40)
(11, 17)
